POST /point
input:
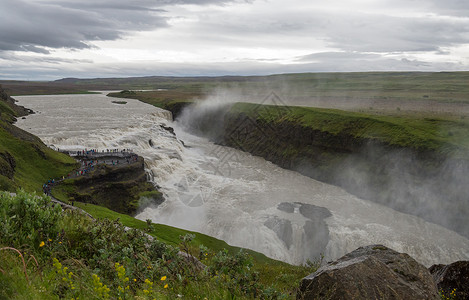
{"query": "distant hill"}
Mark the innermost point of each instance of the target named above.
(299, 89)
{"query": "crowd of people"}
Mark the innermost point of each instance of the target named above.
(87, 152)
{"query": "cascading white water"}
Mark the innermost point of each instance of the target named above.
(232, 195)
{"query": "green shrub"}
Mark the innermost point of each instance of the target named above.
(27, 220)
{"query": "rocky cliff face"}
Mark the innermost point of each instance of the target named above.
(121, 188)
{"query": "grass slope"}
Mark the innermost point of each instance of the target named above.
(170, 235)
(35, 163)
(68, 255)
(271, 271)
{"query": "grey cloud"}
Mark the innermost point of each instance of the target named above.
(356, 61)
(105, 5)
(415, 63)
(350, 31)
(137, 3)
(337, 56)
(380, 33)
(400, 34)
(33, 60)
(37, 25)
(443, 7)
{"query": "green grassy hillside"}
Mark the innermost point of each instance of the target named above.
(49, 254)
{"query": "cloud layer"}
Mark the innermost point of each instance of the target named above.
(199, 37)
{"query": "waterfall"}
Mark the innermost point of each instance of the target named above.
(232, 195)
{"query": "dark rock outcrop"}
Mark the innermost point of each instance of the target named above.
(168, 128)
(371, 272)
(452, 278)
(120, 188)
(315, 229)
(282, 228)
(9, 110)
(7, 164)
(286, 207)
(18, 109)
(313, 212)
(316, 237)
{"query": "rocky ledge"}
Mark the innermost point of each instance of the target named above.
(378, 272)
(121, 187)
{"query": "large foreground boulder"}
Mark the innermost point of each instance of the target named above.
(452, 280)
(371, 272)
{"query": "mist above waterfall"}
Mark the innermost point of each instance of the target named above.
(206, 117)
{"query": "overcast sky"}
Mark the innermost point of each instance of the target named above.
(52, 39)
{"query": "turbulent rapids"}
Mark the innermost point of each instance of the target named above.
(232, 195)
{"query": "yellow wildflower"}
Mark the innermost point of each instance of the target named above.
(50, 240)
(163, 278)
(41, 244)
(166, 286)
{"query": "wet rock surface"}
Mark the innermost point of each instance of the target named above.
(282, 228)
(286, 207)
(452, 278)
(317, 237)
(313, 212)
(371, 272)
(316, 232)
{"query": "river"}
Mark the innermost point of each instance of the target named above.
(231, 195)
